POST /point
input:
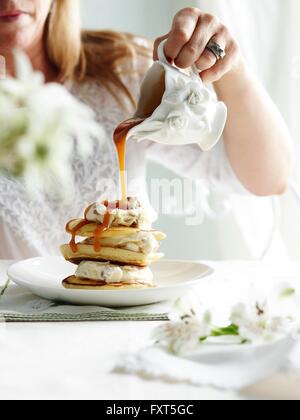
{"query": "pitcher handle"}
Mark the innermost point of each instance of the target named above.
(162, 58)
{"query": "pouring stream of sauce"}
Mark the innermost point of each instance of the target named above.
(120, 138)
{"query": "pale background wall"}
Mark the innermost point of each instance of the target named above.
(153, 18)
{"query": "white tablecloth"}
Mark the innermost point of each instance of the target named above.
(71, 361)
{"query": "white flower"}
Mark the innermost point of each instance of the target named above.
(266, 318)
(183, 337)
(186, 329)
(39, 125)
(186, 307)
(256, 325)
(26, 81)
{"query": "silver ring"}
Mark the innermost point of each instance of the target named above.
(216, 50)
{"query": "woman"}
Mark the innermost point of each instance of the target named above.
(104, 69)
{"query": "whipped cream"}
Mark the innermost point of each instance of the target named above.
(134, 215)
(144, 242)
(188, 113)
(94, 270)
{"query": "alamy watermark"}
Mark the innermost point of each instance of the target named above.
(169, 197)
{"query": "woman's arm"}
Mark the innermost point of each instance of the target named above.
(257, 140)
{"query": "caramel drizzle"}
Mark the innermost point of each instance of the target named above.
(99, 231)
(120, 138)
(145, 109)
(74, 232)
(100, 227)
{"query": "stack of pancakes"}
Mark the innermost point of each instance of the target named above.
(117, 248)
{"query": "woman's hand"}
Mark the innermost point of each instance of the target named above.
(186, 44)
(257, 142)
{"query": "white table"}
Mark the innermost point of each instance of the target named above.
(74, 361)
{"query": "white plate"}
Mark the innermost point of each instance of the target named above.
(43, 277)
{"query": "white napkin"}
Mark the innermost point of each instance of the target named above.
(234, 367)
(226, 367)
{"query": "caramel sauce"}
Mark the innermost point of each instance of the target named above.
(152, 99)
(74, 232)
(100, 228)
(99, 231)
(120, 138)
(119, 204)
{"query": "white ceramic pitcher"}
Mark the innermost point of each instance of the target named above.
(178, 109)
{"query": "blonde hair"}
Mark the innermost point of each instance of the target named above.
(91, 54)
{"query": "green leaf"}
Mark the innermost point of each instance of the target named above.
(231, 330)
(287, 293)
(42, 152)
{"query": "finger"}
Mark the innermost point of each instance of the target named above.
(222, 67)
(206, 28)
(208, 59)
(182, 31)
(157, 43)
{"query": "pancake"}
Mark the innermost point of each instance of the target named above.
(87, 252)
(117, 247)
(78, 283)
(143, 242)
(88, 231)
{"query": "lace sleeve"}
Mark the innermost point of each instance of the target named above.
(189, 161)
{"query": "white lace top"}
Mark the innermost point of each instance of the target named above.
(36, 226)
